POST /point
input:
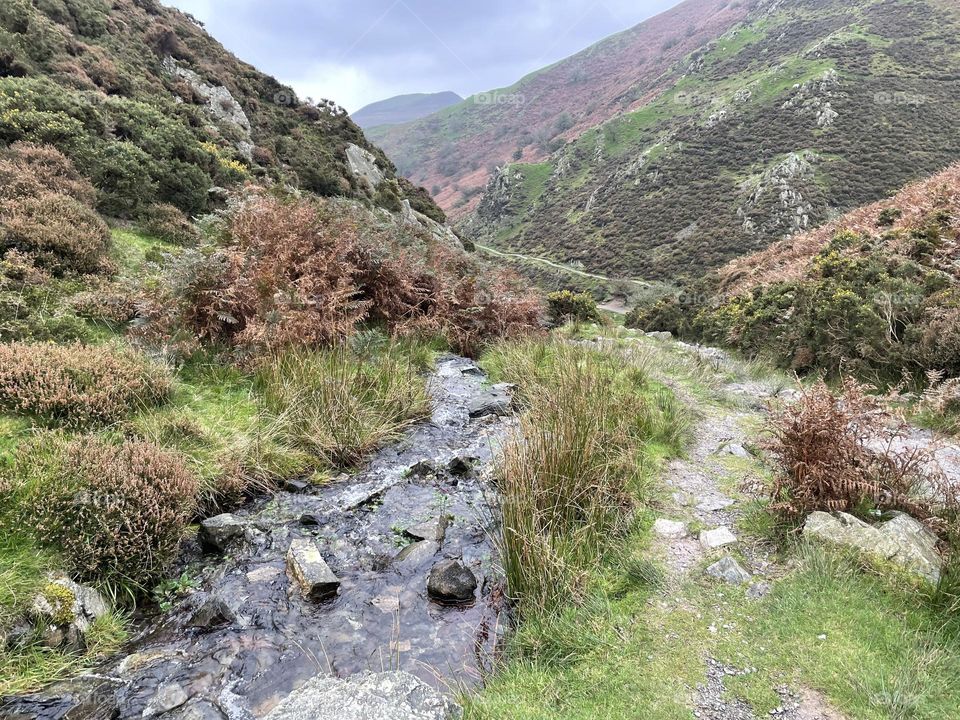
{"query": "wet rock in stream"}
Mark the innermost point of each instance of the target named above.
(248, 638)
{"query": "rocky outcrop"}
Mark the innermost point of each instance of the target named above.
(902, 541)
(384, 696)
(777, 195)
(363, 165)
(441, 233)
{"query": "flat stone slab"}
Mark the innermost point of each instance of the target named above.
(367, 696)
(216, 533)
(729, 570)
(434, 530)
(670, 528)
(308, 568)
(717, 538)
(902, 541)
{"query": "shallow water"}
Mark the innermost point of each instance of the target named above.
(381, 619)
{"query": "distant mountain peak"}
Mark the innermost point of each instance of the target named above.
(404, 108)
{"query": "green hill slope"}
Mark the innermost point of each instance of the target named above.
(153, 109)
(804, 110)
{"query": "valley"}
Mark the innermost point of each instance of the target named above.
(631, 390)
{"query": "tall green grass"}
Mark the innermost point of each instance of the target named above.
(579, 467)
(338, 405)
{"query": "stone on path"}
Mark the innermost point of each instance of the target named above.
(367, 696)
(669, 528)
(729, 570)
(450, 583)
(717, 538)
(902, 541)
(310, 570)
(218, 532)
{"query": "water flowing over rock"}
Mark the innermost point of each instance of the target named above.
(369, 696)
(247, 638)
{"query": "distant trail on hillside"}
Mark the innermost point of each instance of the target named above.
(560, 266)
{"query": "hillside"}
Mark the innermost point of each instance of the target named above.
(153, 109)
(455, 151)
(872, 293)
(801, 111)
(403, 108)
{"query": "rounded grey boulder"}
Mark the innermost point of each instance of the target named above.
(450, 583)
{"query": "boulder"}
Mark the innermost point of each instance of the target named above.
(498, 401)
(363, 166)
(218, 532)
(65, 611)
(729, 570)
(308, 568)
(451, 583)
(662, 336)
(902, 541)
(717, 538)
(384, 696)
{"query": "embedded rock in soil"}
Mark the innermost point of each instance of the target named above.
(902, 541)
(65, 611)
(218, 532)
(729, 570)
(310, 570)
(717, 538)
(450, 583)
(383, 696)
(669, 528)
(758, 591)
(213, 611)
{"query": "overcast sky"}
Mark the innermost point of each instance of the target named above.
(359, 51)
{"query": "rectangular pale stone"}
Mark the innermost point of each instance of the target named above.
(310, 570)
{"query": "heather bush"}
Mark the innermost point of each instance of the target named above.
(78, 385)
(115, 512)
(60, 234)
(168, 223)
(28, 170)
(844, 452)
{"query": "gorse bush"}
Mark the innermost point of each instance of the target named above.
(116, 512)
(843, 452)
(78, 385)
(578, 307)
(338, 406)
(578, 468)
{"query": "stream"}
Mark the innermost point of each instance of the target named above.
(246, 636)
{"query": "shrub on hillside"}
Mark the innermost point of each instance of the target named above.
(844, 452)
(116, 512)
(28, 170)
(168, 223)
(308, 272)
(566, 306)
(78, 385)
(59, 233)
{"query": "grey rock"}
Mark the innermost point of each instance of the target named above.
(664, 336)
(66, 620)
(219, 102)
(308, 568)
(902, 541)
(416, 554)
(451, 583)
(296, 486)
(729, 570)
(759, 590)
(168, 696)
(461, 466)
(495, 402)
(213, 611)
(423, 468)
(434, 530)
(717, 538)
(367, 696)
(669, 528)
(363, 166)
(218, 532)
